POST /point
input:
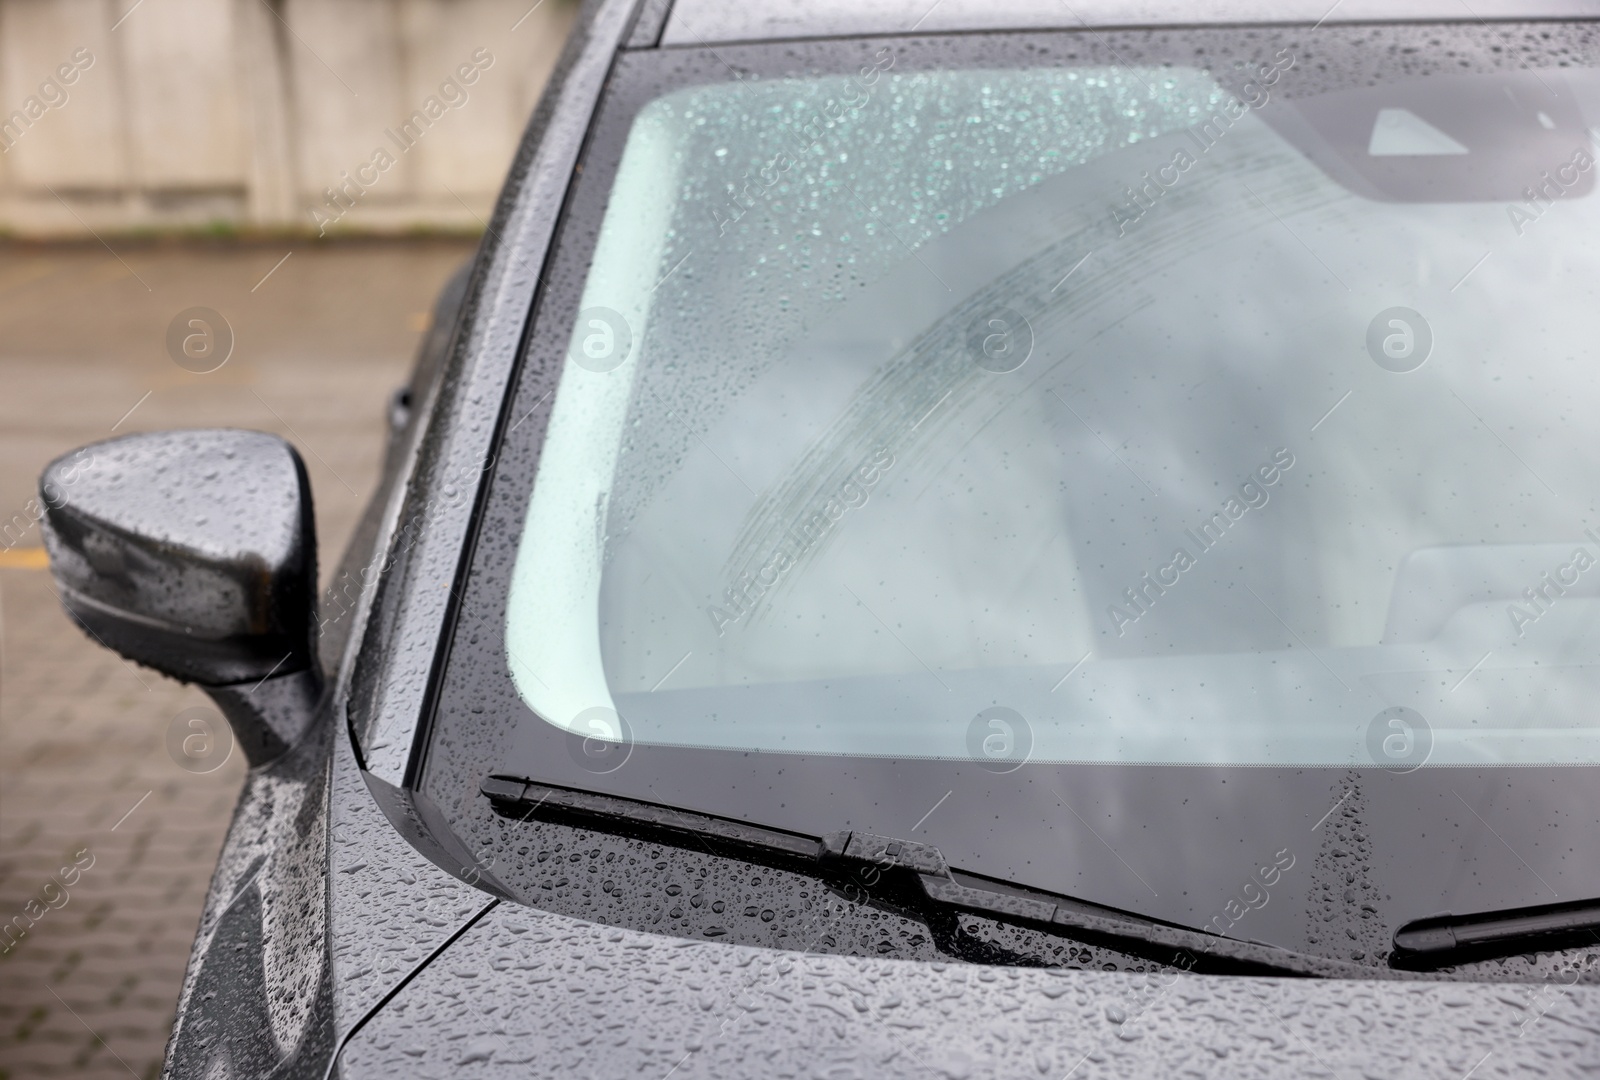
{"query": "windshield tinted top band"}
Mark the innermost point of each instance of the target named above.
(699, 22)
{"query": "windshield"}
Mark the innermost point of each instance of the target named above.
(1007, 374)
(1105, 422)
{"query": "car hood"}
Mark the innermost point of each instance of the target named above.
(526, 993)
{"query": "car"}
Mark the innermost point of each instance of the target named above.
(934, 539)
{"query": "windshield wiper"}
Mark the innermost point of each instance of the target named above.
(1445, 940)
(909, 878)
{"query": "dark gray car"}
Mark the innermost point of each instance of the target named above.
(935, 539)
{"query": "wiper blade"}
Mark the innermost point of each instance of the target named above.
(916, 877)
(1445, 940)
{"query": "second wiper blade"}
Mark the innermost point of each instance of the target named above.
(933, 887)
(1445, 940)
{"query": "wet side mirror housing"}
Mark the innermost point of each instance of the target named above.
(194, 553)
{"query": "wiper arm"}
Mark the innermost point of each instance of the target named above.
(1445, 940)
(915, 877)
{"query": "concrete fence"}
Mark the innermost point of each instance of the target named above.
(328, 115)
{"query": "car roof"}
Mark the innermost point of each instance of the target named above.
(704, 21)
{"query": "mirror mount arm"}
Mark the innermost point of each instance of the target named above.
(269, 717)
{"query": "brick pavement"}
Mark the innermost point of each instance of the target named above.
(89, 990)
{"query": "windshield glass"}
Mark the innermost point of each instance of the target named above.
(1177, 423)
(1148, 466)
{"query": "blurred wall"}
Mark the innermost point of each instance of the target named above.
(328, 115)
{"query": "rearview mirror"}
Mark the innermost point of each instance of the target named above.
(194, 553)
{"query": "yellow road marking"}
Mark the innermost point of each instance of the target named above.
(28, 558)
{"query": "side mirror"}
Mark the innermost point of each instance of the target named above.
(194, 553)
